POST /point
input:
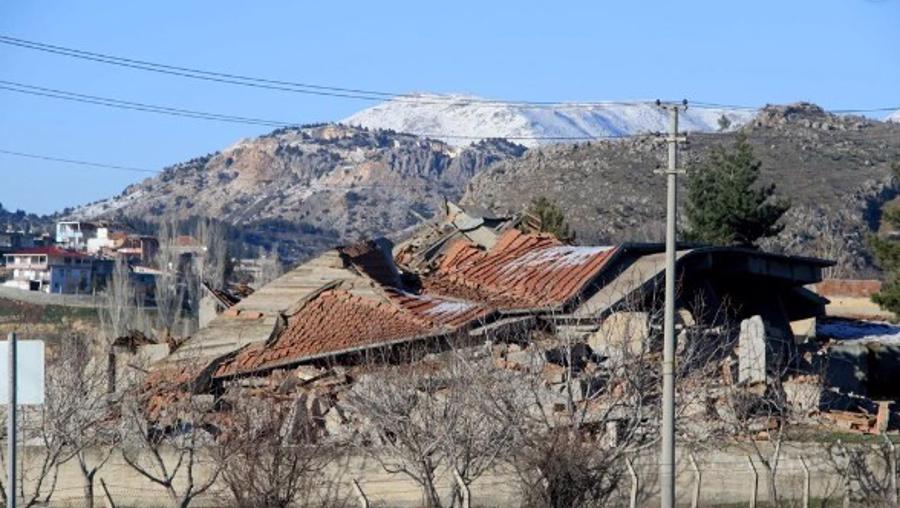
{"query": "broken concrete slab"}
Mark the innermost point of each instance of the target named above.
(622, 331)
(752, 351)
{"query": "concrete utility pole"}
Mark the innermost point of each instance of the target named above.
(11, 425)
(667, 452)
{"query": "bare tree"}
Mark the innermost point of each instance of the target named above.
(868, 466)
(276, 456)
(70, 420)
(169, 292)
(270, 267)
(81, 415)
(214, 261)
(576, 416)
(167, 436)
(758, 416)
(120, 310)
(400, 408)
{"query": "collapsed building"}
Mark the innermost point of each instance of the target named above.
(476, 278)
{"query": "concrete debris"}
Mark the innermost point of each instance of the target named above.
(622, 330)
(752, 351)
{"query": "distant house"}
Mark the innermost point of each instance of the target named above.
(103, 239)
(50, 269)
(137, 249)
(75, 234)
(11, 241)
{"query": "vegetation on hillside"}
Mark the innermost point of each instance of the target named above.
(551, 219)
(887, 255)
(726, 205)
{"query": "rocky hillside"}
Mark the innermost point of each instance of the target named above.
(462, 119)
(835, 170)
(20, 220)
(308, 188)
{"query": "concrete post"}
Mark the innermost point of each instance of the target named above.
(634, 483)
(892, 470)
(754, 487)
(695, 499)
(805, 482)
(667, 452)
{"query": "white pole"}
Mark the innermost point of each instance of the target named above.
(11, 425)
(667, 452)
(805, 482)
(698, 478)
(634, 483)
(754, 487)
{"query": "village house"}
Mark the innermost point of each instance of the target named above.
(471, 278)
(75, 235)
(11, 240)
(50, 269)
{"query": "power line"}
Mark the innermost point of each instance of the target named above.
(75, 161)
(12, 86)
(286, 86)
(22, 88)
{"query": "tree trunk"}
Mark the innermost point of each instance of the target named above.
(89, 491)
(771, 487)
(432, 500)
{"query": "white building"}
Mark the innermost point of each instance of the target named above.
(75, 234)
(100, 241)
(50, 269)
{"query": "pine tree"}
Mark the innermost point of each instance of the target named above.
(724, 123)
(551, 218)
(887, 255)
(725, 203)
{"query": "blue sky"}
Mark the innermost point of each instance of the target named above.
(838, 53)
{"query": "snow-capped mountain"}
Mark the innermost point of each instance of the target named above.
(464, 119)
(893, 117)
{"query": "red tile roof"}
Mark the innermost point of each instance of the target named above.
(520, 271)
(333, 321)
(440, 311)
(48, 250)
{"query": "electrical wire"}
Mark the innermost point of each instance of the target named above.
(290, 86)
(352, 93)
(17, 87)
(75, 161)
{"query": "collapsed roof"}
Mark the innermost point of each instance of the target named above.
(462, 275)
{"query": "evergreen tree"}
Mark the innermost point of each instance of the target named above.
(887, 255)
(725, 203)
(724, 123)
(552, 219)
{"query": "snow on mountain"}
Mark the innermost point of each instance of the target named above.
(464, 119)
(893, 117)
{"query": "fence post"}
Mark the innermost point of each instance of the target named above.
(360, 495)
(805, 482)
(634, 483)
(846, 476)
(695, 500)
(754, 487)
(892, 470)
(464, 489)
